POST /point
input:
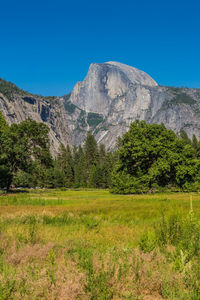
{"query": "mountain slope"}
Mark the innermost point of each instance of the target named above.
(17, 105)
(110, 97)
(122, 94)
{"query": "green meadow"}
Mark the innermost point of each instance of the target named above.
(90, 244)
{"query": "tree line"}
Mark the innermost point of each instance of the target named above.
(149, 158)
(26, 161)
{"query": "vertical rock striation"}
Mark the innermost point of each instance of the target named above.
(121, 94)
(19, 107)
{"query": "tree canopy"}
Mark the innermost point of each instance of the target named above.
(149, 158)
(25, 159)
(21, 146)
(152, 156)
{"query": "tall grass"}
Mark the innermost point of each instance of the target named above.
(88, 244)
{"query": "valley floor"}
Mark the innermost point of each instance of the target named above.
(90, 244)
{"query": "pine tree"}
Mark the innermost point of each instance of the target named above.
(91, 153)
(196, 145)
(102, 154)
(91, 150)
(80, 168)
(65, 162)
(107, 169)
(184, 136)
(95, 176)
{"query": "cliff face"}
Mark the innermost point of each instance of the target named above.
(119, 94)
(17, 106)
(110, 97)
(105, 83)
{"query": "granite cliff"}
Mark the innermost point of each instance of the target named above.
(118, 94)
(110, 97)
(17, 105)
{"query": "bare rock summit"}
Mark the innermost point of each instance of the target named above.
(106, 82)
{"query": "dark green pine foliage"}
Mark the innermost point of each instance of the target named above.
(107, 168)
(95, 176)
(100, 174)
(5, 173)
(91, 150)
(196, 145)
(183, 135)
(80, 168)
(90, 165)
(102, 154)
(91, 155)
(66, 165)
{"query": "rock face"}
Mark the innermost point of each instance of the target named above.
(110, 97)
(20, 105)
(119, 94)
(106, 82)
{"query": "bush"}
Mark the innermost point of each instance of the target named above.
(123, 183)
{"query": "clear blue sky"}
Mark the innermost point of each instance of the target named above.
(47, 46)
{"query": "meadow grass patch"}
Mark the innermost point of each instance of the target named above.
(90, 244)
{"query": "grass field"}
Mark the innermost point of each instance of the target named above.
(90, 244)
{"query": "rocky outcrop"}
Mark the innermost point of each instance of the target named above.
(120, 94)
(20, 106)
(110, 97)
(104, 84)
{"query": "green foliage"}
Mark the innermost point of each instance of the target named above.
(150, 156)
(65, 163)
(80, 167)
(94, 119)
(22, 179)
(9, 89)
(87, 166)
(183, 135)
(70, 107)
(94, 178)
(183, 98)
(90, 244)
(147, 242)
(181, 232)
(196, 145)
(97, 282)
(91, 150)
(123, 183)
(21, 147)
(82, 119)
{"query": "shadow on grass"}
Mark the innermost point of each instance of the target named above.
(15, 191)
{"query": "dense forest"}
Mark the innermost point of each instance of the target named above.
(25, 159)
(149, 158)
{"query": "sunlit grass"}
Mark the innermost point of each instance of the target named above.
(94, 215)
(90, 234)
